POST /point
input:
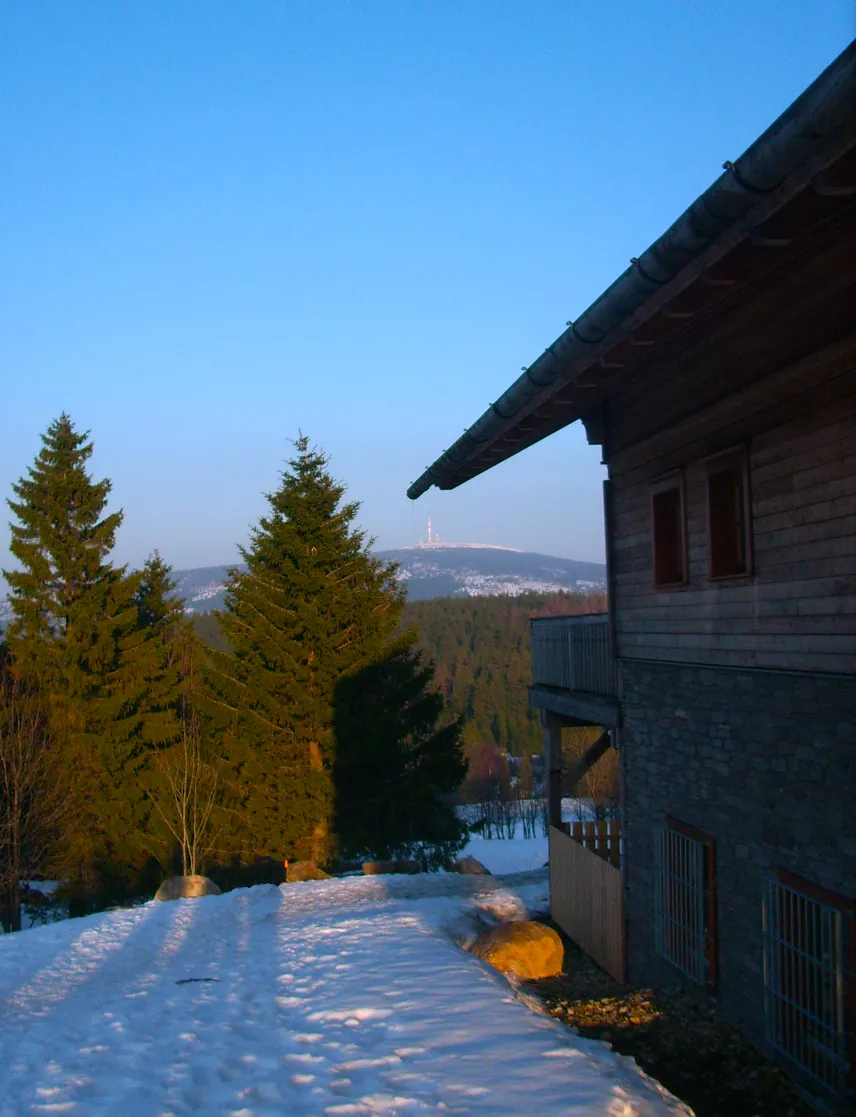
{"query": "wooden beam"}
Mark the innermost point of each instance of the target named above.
(717, 281)
(577, 709)
(768, 242)
(681, 314)
(586, 762)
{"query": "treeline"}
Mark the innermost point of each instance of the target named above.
(482, 654)
(481, 650)
(129, 747)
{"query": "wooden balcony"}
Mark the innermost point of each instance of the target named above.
(573, 669)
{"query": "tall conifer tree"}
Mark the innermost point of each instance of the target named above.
(162, 657)
(312, 606)
(74, 621)
(398, 761)
(145, 696)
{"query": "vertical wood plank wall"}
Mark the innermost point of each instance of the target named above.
(586, 901)
(574, 653)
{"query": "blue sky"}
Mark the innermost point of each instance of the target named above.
(222, 223)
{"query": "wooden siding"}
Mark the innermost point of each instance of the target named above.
(797, 610)
(586, 901)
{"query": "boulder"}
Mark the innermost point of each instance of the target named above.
(471, 866)
(304, 870)
(382, 868)
(177, 888)
(528, 950)
(252, 905)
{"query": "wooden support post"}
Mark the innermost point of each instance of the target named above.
(553, 765)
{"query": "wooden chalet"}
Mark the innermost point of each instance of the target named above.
(718, 375)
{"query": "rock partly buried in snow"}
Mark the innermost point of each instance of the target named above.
(176, 888)
(382, 868)
(252, 905)
(471, 866)
(304, 870)
(528, 950)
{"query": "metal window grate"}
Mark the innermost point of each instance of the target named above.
(805, 982)
(681, 907)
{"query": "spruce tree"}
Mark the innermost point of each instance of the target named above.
(163, 656)
(145, 698)
(312, 606)
(398, 761)
(74, 622)
(156, 600)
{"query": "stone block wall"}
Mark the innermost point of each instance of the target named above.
(764, 762)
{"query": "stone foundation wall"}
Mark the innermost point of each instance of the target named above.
(764, 762)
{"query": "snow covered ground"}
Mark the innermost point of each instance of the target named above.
(519, 854)
(508, 855)
(343, 998)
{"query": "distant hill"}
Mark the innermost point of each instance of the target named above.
(433, 570)
(440, 570)
(473, 570)
(202, 590)
(202, 587)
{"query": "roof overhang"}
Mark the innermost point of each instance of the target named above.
(793, 176)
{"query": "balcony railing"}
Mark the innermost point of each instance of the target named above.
(574, 653)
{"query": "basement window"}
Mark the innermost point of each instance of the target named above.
(668, 532)
(685, 901)
(728, 515)
(809, 981)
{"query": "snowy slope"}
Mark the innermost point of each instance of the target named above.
(350, 999)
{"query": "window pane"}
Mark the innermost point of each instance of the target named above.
(727, 522)
(668, 538)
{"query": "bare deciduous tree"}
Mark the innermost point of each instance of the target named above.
(600, 787)
(186, 805)
(489, 792)
(529, 798)
(603, 786)
(33, 804)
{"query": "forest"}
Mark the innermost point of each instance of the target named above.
(319, 716)
(479, 647)
(130, 749)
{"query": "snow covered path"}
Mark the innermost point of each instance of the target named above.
(349, 1000)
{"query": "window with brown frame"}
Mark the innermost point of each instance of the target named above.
(685, 908)
(728, 515)
(668, 533)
